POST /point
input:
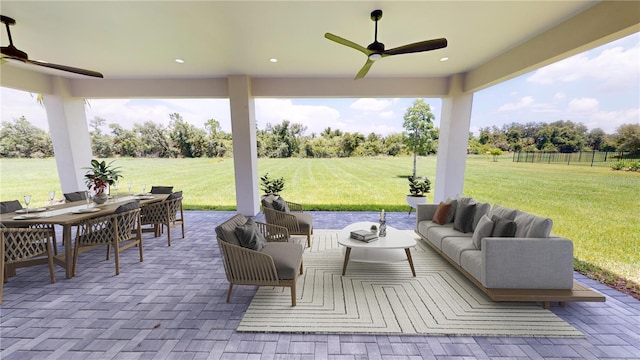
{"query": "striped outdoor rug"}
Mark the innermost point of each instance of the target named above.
(386, 299)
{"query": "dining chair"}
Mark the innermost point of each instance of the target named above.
(277, 211)
(75, 196)
(162, 189)
(121, 229)
(168, 213)
(9, 206)
(25, 246)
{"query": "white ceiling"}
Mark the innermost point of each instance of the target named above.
(141, 39)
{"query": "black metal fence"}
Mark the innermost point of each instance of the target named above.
(591, 158)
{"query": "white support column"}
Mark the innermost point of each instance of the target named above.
(245, 151)
(69, 134)
(454, 139)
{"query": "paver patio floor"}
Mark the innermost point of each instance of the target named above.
(173, 306)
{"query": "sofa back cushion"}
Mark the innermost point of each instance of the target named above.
(502, 212)
(531, 226)
(482, 209)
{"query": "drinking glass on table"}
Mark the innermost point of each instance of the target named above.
(144, 187)
(129, 186)
(87, 195)
(27, 201)
(52, 194)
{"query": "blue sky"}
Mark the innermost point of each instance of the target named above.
(599, 88)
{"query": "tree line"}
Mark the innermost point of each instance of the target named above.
(20, 139)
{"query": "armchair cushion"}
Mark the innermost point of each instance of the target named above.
(10, 206)
(128, 206)
(249, 236)
(286, 256)
(175, 195)
(161, 189)
(280, 204)
(267, 201)
(305, 221)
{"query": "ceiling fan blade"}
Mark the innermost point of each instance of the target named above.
(418, 47)
(345, 42)
(66, 68)
(365, 69)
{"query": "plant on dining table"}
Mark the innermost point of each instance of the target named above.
(100, 175)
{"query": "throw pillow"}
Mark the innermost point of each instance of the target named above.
(463, 220)
(440, 216)
(249, 236)
(483, 230)
(452, 212)
(267, 201)
(280, 204)
(503, 227)
(175, 195)
(482, 209)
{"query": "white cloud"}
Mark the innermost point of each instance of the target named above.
(609, 121)
(559, 96)
(524, 102)
(387, 115)
(315, 117)
(581, 106)
(370, 105)
(614, 68)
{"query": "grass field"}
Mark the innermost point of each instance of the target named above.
(595, 207)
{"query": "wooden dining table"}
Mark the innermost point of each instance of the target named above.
(69, 215)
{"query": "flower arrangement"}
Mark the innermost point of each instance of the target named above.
(101, 175)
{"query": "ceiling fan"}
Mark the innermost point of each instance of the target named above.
(375, 50)
(11, 52)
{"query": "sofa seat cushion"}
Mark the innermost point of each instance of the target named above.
(453, 247)
(532, 226)
(435, 234)
(286, 256)
(471, 262)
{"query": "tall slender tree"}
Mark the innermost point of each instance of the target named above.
(418, 122)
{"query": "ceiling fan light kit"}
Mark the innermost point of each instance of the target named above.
(376, 51)
(12, 53)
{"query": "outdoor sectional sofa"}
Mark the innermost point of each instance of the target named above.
(509, 254)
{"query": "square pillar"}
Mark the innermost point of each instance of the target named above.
(245, 151)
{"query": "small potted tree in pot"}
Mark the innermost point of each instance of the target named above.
(271, 186)
(99, 177)
(418, 187)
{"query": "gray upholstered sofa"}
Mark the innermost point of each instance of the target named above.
(531, 259)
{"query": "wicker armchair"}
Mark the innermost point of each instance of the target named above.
(279, 263)
(290, 216)
(120, 230)
(20, 247)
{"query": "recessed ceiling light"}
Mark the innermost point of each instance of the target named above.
(180, 61)
(444, 59)
(273, 60)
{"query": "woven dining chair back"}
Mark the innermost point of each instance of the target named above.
(75, 196)
(120, 230)
(168, 213)
(20, 247)
(9, 206)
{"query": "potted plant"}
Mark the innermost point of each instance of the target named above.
(271, 186)
(99, 177)
(418, 187)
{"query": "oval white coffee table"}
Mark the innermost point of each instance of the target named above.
(394, 247)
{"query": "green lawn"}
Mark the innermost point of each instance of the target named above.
(595, 207)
